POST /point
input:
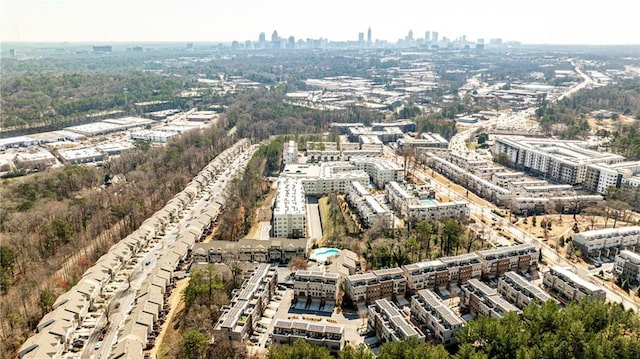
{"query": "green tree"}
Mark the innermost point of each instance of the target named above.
(203, 284)
(7, 262)
(424, 231)
(194, 345)
(451, 236)
(360, 352)
(300, 349)
(46, 300)
(412, 349)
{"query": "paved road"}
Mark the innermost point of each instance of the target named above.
(313, 220)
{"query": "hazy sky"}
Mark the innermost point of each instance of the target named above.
(537, 21)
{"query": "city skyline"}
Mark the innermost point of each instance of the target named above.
(225, 21)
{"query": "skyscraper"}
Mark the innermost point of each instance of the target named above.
(275, 40)
(427, 36)
(262, 38)
(434, 38)
(361, 38)
(409, 37)
(369, 36)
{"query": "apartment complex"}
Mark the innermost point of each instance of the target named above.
(289, 211)
(519, 291)
(390, 324)
(309, 285)
(328, 336)
(600, 177)
(568, 286)
(496, 262)
(325, 178)
(480, 299)
(434, 317)
(428, 139)
(368, 208)
(380, 170)
(561, 161)
(627, 266)
(275, 250)
(442, 272)
(382, 283)
(290, 152)
(417, 208)
(607, 242)
(247, 305)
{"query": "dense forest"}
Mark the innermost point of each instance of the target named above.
(37, 100)
(55, 224)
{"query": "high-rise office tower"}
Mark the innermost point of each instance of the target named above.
(262, 38)
(361, 38)
(409, 37)
(369, 36)
(427, 36)
(275, 40)
(434, 37)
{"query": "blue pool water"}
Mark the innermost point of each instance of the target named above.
(426, 202)
(321, 254)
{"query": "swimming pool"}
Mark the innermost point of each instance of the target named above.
(321, 254)
(428, 202)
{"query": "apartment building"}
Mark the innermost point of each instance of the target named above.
(289, 212)
(275, 250)
(503, 179)
(627, 266)
(608, 241)
(519, 291)
(325, 178)
(417, 209)
(473, 182)
(568, 286)
(237, 320)
(442, 272)
(479, 299)
(368, 208)
(428, 140)
(390, 324)
(434, 317)
(325, 335)
(561, 161)
(380, 170)
(382, 283)
(521, 258)
(309, 285)
(290, 152)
